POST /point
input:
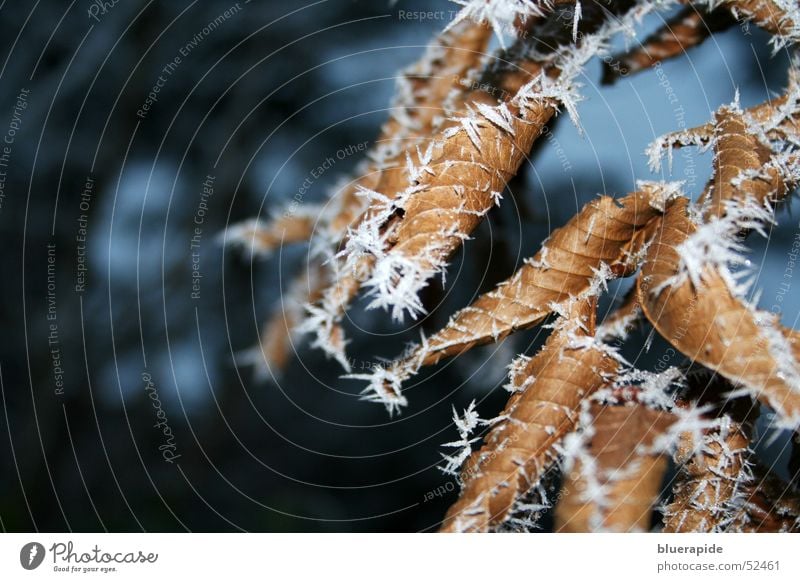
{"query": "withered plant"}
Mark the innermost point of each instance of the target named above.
(584, 432)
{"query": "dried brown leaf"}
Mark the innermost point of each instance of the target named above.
(770, 16)
(278, 333)
(519, 448)
(740, 166)
(714, 467)
(713, 327)
(709, 485)
(263, 237)
(424, 87)
(772, 124)
(597, 244)
(455, 186)
(616, 486)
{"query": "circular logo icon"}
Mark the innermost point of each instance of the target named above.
(31, 555)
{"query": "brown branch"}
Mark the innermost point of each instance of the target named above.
(687, 29)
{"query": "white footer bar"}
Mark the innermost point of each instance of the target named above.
(389, 557)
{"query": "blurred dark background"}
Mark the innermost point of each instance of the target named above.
(94, 329)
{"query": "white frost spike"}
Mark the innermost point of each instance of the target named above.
(385, 382)
(367, 237)
(574, 445)
(576, 18)
(781, 351)
(395, 282)
(790, 22)
(692, 420)
(598, 283)
(651, 389)
(515, 370)
(661, 193)
(470, 124)
(465, 425)
(716, 244)
(322, 322)
(499, 115)
(618, 327)
(664, 144)
(384, 388)
(415, 172)
(542, 88)
(501, 14)
(403, 104)
(785, 164)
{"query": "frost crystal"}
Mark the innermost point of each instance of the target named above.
(617, 327)
(782, 353)
(789, 22)
(473, 121)
(395, 283)
(322, 322)
(543, 89)
(717, 245)
(661, 193)
(384, 388)
(648, 388)
(691, 420)
(515, 369)
(500, 14)
(465, 425)
(664, 144)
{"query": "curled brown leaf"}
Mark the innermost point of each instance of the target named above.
(712, 326)
(615, 484)
(520, 447)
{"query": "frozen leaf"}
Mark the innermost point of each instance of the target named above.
(741, 168)
(474, 159)
(278, 335)
(574, 262)
(421, 90)
(616, 478)
(710, 325)
(780, 17)
(714, 465)
(465, 425)
(519, 448)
